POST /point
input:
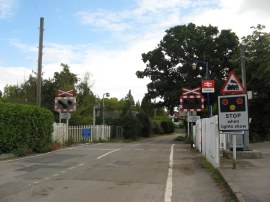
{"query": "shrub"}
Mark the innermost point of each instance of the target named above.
(21, 151)
(167, 126)
(25, 126)
(157, 129)
(146, 123)
(132, 127)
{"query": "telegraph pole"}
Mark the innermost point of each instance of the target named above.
(244, 82)
(39, 72)
(243, 63)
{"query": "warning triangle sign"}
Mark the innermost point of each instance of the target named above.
(232, 85)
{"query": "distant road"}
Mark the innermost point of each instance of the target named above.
(158, 169)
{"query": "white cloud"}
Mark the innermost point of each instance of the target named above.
(115, 71)
(13, 76)
(230, 14)
(155, 5)
(144, 16)
(24, 47)
(6, 8)
(104, 19)
(62, 53)
(261, 7)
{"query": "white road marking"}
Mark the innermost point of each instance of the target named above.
(22, 158)
(169, 185)
(55, 175)
(82, 164)
(38, 155)
(71, 168)
(108, 153)
(100, 149)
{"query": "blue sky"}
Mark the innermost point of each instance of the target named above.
(107, 37)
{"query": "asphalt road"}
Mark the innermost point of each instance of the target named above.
(159, 169)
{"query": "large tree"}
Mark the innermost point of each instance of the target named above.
(65, 79)
(169, 66)
(257, 49)
(86, 101)
(128, 104)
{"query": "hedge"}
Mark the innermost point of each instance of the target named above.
(167, 126)
(25, 126)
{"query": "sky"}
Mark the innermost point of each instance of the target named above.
(106, 38)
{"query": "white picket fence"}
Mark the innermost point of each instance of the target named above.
(63, 134)
(206, 139)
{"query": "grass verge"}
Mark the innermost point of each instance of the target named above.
(219, 179)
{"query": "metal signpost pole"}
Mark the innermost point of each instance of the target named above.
(208, 95)
(206, 75)
(234, 150)
(94, 123)
(188, 124)
(67, 123)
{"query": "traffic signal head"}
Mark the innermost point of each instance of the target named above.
(65, 104)
(232, 104)
(192, 103)
(62, 104)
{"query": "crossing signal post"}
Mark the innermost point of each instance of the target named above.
(65, 102)
(233, 112)
(191, 100)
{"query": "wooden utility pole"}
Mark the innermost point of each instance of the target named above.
(39, 72)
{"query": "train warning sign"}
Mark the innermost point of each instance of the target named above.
(232, 85)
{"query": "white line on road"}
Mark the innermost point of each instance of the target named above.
(71, 168)
(22, 158)
(108, 153)
(169, 185)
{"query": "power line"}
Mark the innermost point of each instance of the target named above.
(36, 8)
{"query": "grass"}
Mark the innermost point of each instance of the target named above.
(180, 138)
(7, 156)
(219, 179)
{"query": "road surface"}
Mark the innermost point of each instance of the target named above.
(158, 169)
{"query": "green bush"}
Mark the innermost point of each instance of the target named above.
(132, 127)
(25, 126)
(167, 126)
(146, 123)
(162, 124)
(157, 129)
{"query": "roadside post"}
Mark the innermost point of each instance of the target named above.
(191, 100)
(64, 103)
(233, 110)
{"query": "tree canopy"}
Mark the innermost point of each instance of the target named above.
(257, 52)
(169, 66)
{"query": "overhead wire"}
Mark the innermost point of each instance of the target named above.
(36, 8)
